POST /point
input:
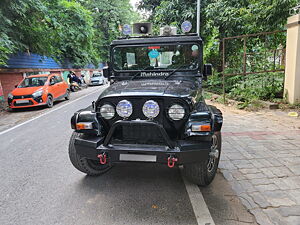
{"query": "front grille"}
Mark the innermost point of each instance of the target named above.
(24, 104)
(173, 128)
(22, 96)
(138, 134)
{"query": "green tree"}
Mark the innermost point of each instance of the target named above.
(73, 33)
(175, 12)
(223, 18)
(78, 31)
(16, 26)
(109, 16)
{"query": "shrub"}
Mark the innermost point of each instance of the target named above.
(266, 86)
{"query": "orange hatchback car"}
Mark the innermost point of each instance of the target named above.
(37, 90)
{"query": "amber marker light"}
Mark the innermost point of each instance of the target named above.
(84, 126)
(201, 128)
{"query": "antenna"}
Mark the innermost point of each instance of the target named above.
(198, 16)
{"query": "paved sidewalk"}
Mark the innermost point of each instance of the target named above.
(261, 161)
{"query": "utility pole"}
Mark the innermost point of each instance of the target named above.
(198, 16)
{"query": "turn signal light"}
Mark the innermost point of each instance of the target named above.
(199, 128)
(84, 126)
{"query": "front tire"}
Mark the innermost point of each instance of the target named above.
(203, 173)
(88, 166)
(49, 101)
(68, 95)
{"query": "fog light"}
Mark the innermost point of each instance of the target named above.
(124, 109)
(151, 109)
(201, 128)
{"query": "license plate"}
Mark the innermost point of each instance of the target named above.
(22, 101)
(137, 158)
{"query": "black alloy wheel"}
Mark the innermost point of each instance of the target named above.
(49, 101)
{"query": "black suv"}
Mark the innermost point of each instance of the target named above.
(154, 111)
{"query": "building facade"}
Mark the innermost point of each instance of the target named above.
(24, 64)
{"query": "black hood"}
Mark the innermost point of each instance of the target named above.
(153, 87)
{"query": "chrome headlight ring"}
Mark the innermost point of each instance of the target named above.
(124, 109)
(151, 109)
(107, 111)
(176, 112)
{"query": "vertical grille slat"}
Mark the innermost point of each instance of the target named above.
(140, 134)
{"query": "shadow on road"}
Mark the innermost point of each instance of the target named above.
(35, 108)
(138, 194)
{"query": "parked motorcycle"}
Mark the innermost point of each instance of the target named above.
(74, 86)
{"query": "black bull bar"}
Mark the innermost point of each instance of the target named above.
(181, 151)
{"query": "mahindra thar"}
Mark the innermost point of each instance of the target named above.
(152, 112)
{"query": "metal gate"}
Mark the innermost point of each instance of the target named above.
(253, 54)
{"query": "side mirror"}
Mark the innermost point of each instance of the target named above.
(16, 86)
(207, 70)
(106, 72)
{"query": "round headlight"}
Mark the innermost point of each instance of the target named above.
(176, 112)
(124, 109)
(151, 109)
(107, 111)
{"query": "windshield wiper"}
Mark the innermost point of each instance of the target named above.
(175, 70)
(135, 75)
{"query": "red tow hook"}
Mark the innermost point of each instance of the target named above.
(103, 158)
(171, 161)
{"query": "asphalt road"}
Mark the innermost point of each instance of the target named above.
(40, 186)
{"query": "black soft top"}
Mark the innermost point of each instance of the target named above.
(157, 39)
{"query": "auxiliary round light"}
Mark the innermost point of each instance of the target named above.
(176, 112)
(124, 109)
(107, 111)
(126, 29)
(186, 26)
(151, 109)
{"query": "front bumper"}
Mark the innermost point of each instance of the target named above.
(26, 102)
(92, 83)
(185, 151)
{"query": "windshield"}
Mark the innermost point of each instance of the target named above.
(97, 75)
(33, 82)
(161, 57)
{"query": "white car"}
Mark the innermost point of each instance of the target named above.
(98, 79)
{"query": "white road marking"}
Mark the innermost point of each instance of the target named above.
(46, 113)
(201, 211)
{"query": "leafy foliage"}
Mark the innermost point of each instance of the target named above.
(223, 18)
(258, 87)
(175, 12)
(265, 86)
(226, 18)
(76, 31)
